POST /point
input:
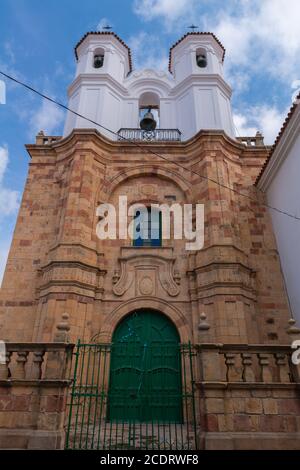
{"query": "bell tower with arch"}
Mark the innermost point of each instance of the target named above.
(194, 343)
(191, 96)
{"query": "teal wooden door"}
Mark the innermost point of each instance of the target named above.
(145, 370)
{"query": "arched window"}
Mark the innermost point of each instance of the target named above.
(149, 100)
(147, 227)
(201, 58)
(98, 60)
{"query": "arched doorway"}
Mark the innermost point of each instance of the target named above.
(145, 370)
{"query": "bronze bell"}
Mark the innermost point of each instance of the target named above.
(148, 122)
(201, 61)
(98, 61)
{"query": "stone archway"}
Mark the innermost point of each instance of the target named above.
(105, 193)
(173, 313)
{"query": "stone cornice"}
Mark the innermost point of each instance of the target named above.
(98, 79)
(196, 80)
(248, 385)
(108, 151)
(74, 264)
(115, 146)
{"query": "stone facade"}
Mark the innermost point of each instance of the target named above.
(227, 299)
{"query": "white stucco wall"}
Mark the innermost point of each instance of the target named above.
(190, 99)
(282, 185)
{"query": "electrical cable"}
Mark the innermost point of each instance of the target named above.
(145, 149)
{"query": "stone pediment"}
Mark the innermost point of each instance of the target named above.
(146, 271)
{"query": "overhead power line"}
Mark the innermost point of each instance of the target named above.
(145, 148)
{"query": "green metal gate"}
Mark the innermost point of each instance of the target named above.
(145, 370)
(135, 393)
(92, 423)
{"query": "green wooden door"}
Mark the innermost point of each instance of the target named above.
(145, 371)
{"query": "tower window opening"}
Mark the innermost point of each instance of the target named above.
(149, 102)
(201, 59)
(98, 58)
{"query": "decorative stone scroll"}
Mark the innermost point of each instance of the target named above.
(146, 271)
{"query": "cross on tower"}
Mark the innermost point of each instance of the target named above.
(193, 27)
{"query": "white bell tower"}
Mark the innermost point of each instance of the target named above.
(190, 97)
(203, 96)
(103, 62)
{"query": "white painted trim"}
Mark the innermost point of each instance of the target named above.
(281, 152)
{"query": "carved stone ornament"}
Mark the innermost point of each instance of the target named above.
(148, 270)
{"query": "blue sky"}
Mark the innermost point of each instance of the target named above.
(261, 37)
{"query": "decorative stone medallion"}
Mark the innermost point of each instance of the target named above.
(146, 286)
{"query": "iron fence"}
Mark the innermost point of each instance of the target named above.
(133, 396)
(158, 135)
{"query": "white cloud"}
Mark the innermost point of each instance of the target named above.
(262, 39)
(239, 81)
(266, 119)
(168, 10)
(9, 199)
(48, 117)
(243, 127)
(145, 57)
(262, 36)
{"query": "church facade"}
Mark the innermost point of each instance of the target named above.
(178, 348)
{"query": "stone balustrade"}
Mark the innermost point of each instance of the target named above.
(37, 361)
(42, 139)
(247, 363)
(256, 141)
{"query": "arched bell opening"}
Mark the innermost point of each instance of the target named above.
(201, 58)
(98, 58)
(149, 111)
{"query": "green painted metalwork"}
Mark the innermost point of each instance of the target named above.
(145, 371)
(136, 393)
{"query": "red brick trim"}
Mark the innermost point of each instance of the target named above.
(198, 33)
(106, 34)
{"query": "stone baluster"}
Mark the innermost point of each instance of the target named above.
(4, 368)
(56, 360)
(248, 372)
(264, 362)
(20, 366)
(283, 366)
(234, 373)
(38, 358)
